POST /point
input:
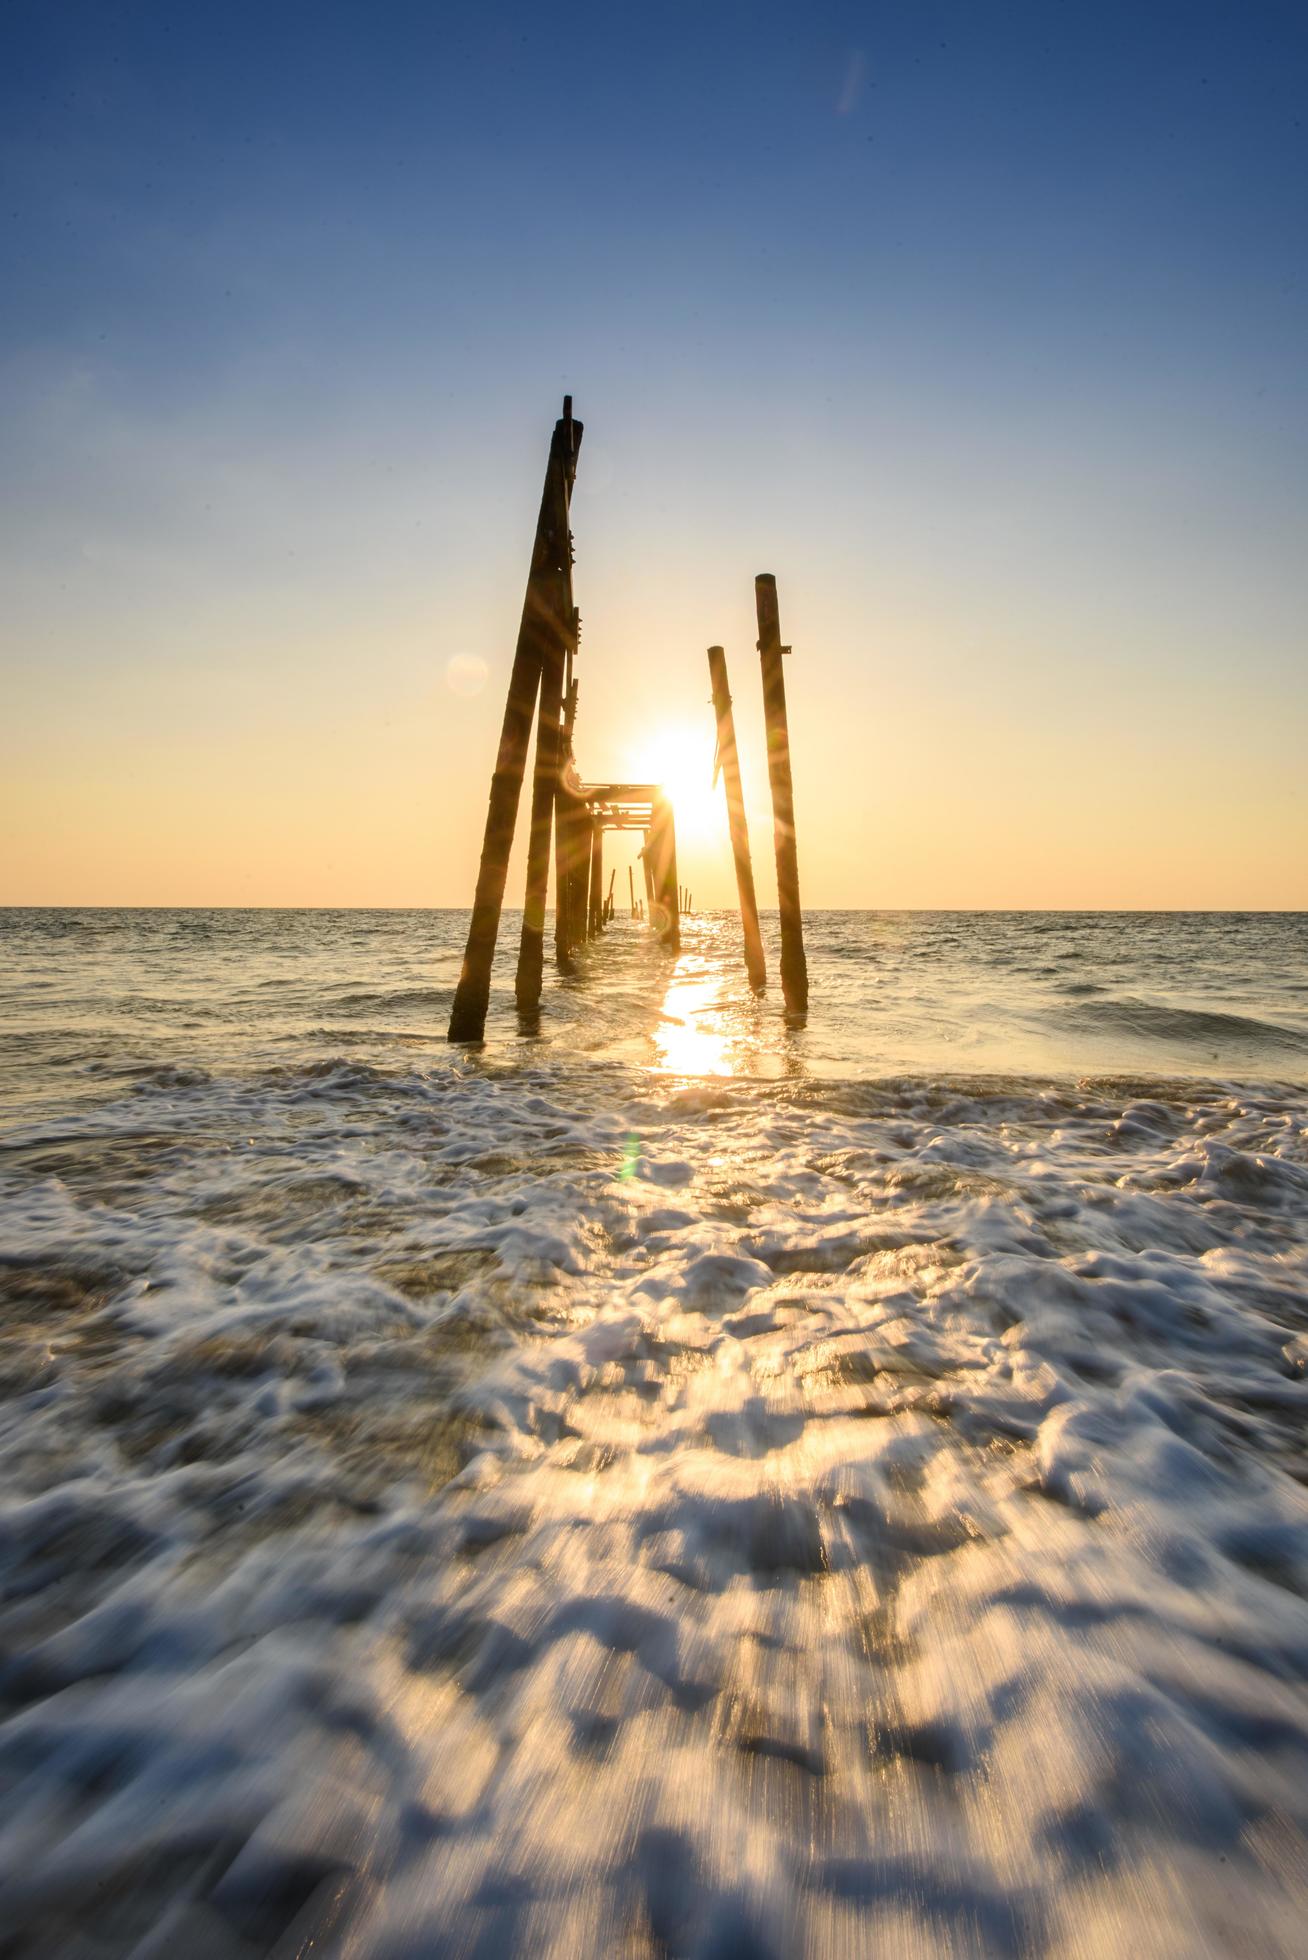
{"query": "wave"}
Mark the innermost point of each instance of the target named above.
(1156, 1022)
(399, 997)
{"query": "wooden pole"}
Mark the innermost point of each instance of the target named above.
(566, 923)
(631, 888)
(538, 630)
(596, 909)
(580, 901)
(647, 866)
(665, 908)
(729, 763)
(794, 966)
(544, 790)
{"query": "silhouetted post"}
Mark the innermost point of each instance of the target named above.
(565, 919)
(580, 902)
(544, 796)
(539, 629)
(596, 910)
(662, 849)
(729, 763)
(631, 888)
(608, 903)
(647, 866)
(794, 967)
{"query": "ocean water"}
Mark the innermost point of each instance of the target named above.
(666, 1482)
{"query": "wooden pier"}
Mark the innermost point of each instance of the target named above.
(574, 815)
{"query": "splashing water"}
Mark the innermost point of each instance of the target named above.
(672, 1482)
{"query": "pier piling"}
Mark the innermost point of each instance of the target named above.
(539, 630)
(662, 858)
(595, 917)
(729, 763)
(794, 966)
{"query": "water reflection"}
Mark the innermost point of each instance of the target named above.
(692, 1036)
(711, 1025)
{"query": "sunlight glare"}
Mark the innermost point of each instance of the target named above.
(680, 757)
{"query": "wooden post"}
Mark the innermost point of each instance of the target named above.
(544, 792)
(539, 629)
(608, 903)
(596, 907)
(631, 888)
(647, 866)
(729, 763)
(580, 902)
(566, 924)
(572, 870)
(794, 966)
(662, 848)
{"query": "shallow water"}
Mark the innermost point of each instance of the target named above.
(666, 1482)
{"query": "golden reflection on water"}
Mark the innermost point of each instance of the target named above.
(692, 1036)
(710, 1025)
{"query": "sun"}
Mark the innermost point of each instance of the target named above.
(680, 757)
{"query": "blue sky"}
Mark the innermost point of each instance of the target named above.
(983, 327)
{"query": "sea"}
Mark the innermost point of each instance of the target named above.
(668, 1480)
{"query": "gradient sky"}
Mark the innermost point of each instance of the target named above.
(984, 327)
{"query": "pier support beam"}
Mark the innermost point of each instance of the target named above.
(661, 857)
(794, 966)
(729, 763)
(579, 876)
(544, 793)
(540, 627)
(596, 909)
(565, 916)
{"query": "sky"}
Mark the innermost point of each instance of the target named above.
(984, 327)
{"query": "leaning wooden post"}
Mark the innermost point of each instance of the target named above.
(794, 967)
(729, 763)
(662, 849)
(596, 907)
(538, 629)
(631, 889)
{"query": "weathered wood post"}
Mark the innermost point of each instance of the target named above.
(662, 849)
(539, 629)
(794, 966)
(729, 763)
(608, 903)
(544, 795)
(596, 907)
(566, 923)
(580, 887)
(631, 889)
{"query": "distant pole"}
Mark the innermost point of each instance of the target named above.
(794, 967)
(662, 849)
(631, 887)
(729, 762)
(538, 630)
